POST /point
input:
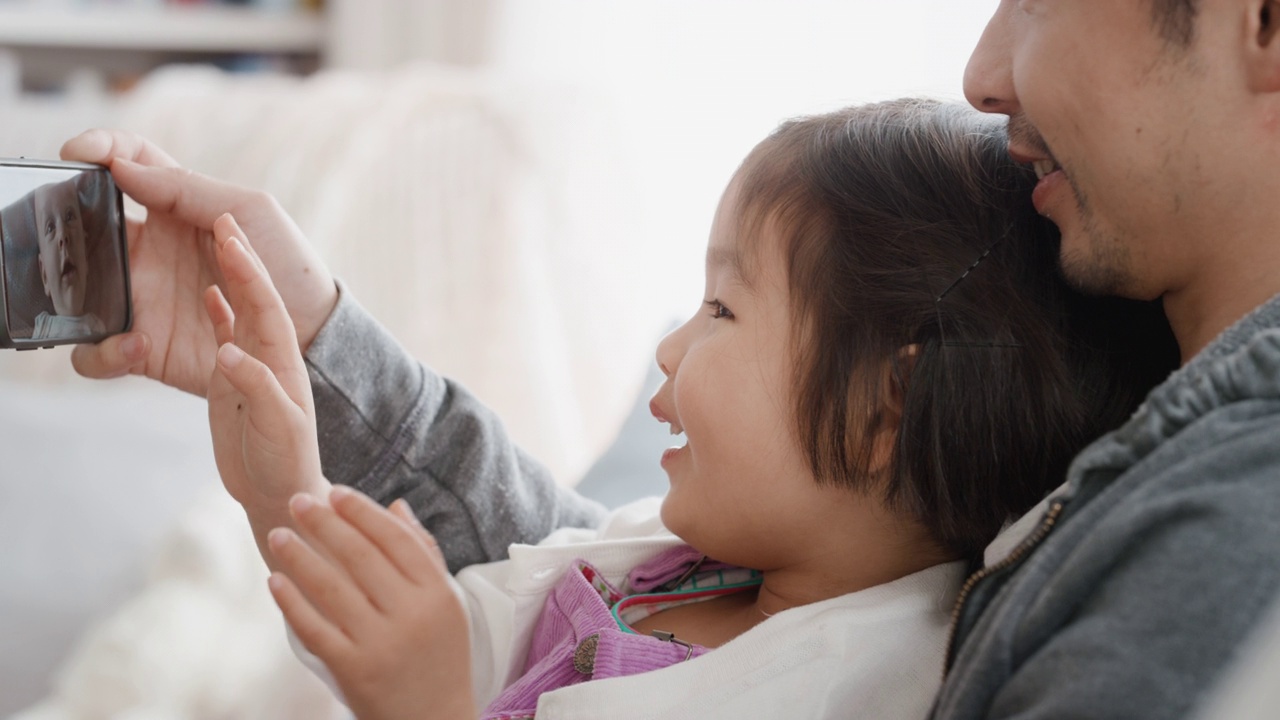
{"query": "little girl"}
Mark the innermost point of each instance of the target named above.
(883, 370)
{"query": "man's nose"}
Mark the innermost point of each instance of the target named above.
(988, 78)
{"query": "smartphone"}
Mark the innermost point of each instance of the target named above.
(64, 259)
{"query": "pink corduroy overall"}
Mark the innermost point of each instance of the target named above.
(584, 634)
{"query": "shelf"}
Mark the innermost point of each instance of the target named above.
(172, 29)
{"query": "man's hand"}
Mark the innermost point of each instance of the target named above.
(261, 413)
(366, 590)
(172, 261)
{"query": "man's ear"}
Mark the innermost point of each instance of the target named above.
(893, 400)
(1263, 54)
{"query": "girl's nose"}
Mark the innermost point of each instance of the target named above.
(670, 350)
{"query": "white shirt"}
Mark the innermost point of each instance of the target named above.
(877, 653)
(66, 327)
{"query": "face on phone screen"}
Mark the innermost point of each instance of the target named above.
(63, 255)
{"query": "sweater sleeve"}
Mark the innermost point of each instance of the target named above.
(390, 427)
(1176, 589)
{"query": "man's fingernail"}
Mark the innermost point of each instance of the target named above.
(134, 347)
(229, 356)
(340, 492)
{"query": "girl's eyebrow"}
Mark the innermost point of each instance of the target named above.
(719, 257)
(733, 259)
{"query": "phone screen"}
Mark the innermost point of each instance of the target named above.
(63, 253)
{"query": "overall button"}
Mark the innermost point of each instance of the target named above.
(584, 658)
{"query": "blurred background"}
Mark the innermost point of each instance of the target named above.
(519, 189)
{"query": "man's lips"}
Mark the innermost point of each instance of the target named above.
(1043, 194)
(1049, 175)
(1023, 157)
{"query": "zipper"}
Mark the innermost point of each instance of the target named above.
(1047, 523)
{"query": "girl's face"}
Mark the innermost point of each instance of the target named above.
(741, 488)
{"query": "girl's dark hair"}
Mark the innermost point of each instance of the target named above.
(916, 261)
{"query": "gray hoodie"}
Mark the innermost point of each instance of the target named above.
(392, 428)
(1152, 567)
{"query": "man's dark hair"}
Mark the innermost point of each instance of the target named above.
(1176, 20)
(882, 210)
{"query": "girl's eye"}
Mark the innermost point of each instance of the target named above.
(71, 215)
(718, 310)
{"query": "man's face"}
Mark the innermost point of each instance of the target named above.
(1125, 127)
(60, 232)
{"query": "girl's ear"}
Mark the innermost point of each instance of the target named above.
(893, 398)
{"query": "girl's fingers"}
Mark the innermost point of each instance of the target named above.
(401, 508)
(270, 408)
(319, 636)
(328, 590)
(259, 311)
(220, 314)
(406, 549)
(226, 226)
(336, 538)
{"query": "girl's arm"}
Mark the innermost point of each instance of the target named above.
(365, 592)
(392, 428)
(387, 425)
(260, 411)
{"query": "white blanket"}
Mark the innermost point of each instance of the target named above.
(474, 217)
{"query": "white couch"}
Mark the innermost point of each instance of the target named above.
(478, 218)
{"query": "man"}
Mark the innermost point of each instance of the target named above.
(1156, 127)
(62, 262)
(1156, 124)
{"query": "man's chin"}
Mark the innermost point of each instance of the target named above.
(1095, 263)
(70, 306)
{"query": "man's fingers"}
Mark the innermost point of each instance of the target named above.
(189, 196)
(220, 314)
(102, 146)
(113, 357)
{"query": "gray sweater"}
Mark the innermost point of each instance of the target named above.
(1127, 604)
(392, 428)
(1160, 560)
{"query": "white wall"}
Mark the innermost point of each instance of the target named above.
(698, 82)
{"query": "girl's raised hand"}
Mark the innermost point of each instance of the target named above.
(366, 590)
(261, 412)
